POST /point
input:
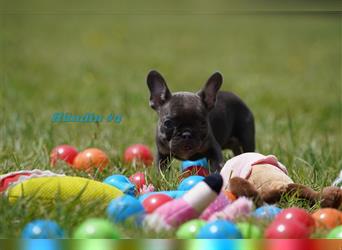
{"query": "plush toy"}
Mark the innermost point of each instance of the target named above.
(174, 213)
(48, 186)
(265, 179)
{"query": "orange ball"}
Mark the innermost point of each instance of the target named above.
(327, 218)
(90, 159)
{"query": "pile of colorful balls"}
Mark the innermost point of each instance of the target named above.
(197, 209)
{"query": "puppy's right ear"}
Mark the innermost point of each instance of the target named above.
(160, 93)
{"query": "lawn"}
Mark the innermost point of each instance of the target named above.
(287, 68)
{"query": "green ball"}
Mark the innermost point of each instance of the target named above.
(249, 231)
(96, 228)
(336, 233)
(189, 229)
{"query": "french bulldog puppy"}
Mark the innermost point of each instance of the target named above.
(196, 125)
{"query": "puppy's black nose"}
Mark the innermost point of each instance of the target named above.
(186, 135)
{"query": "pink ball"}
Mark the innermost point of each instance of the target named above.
(137, 154)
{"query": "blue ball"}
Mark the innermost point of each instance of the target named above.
(121, 182)
(189, 182)
(42, 229)
(266, 212)
(220, 229)
(200, 163)
(124, 207)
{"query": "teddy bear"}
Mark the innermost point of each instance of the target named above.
(264, 179)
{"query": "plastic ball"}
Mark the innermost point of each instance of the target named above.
(64, 152)
(190, 229)
(287, 229)
(138, 179)
(121, 182)
(249, 231)
(124, 207)
(96, 228)
(154, 201)
(327, 218)
(266, 212)
(336, 233)
(297, 214)
(220, 229)
(189, 182)
(138, 154)
(42, 229)
(90, 159)
(174, 194)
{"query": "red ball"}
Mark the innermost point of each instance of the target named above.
(138, 179)
(297, 214)
(154, 201)
(138, 154)
(90, 159)
(287, 229)
(64, 152)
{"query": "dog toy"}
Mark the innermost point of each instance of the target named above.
(335, 233)
(96, 228)
(172, 193)
(265, 179)
(189, 182)
(217, 205)
(62, 187)
(154, 201)
(91, 159)
(139, 180)
(124, 207)
(42, 229)
(220, 229)
(287, 229)
(266, 212)
(239, 208)
(121, 182)
(190, 229)
(189, 206)
(64, 152)
(138, 154)
(199, 167)
(13, 178)
(327, 218)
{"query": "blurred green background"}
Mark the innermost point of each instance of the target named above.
(91, 58)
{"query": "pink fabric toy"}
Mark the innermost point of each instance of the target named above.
(189, 206)
(239, 208)
(219, 203)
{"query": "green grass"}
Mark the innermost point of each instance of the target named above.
(285, 67)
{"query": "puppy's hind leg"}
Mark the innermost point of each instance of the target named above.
(246, 136)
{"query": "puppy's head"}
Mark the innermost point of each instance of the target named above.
(183, 116)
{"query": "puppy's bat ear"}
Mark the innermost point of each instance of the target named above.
(209, 91)
(160, 93)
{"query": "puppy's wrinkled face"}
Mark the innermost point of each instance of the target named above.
(183, 124)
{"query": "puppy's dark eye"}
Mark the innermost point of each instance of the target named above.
(203, 123)
(168, 124)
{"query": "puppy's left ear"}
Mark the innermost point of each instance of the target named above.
(209, 91)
